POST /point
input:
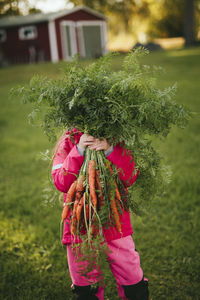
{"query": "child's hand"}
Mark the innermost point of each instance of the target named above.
(99, 144)
(86, 140)
(92, 143)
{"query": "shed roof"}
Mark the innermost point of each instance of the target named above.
(41, 17)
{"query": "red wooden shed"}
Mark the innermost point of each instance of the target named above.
(53, 36)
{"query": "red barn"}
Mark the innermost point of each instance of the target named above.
(53, 36)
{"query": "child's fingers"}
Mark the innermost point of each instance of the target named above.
(88, 143)
(99, 145)
(86, 140)
(92, 147)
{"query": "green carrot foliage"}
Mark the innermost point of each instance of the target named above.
(123, 106)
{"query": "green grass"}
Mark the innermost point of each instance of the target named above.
(33, 262)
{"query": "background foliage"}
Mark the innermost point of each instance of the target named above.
(33, 262)
(163, 18)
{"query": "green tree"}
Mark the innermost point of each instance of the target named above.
(165, 18)
(9, 7)
(167, 21)
(34, 10)
(13, 7)
(175, 18)
(122, 11)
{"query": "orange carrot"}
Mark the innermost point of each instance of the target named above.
(69, 199)
(80, 187)
(117, 193)
(79, 209)
(91, 180)
(115, 214)
(99, 188)
(80, 181)
(73, 226)
(74, 218)
(118, 196)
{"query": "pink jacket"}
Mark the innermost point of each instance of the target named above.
(67, 162)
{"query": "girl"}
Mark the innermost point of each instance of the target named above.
(124, 259)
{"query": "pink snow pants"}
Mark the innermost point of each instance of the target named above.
(124, 264)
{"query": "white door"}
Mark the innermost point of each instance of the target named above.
(92, 38)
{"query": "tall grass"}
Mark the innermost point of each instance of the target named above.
(33, 261)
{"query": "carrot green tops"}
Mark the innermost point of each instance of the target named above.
(121, 106)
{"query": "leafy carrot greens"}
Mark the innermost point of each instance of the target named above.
(124, 105)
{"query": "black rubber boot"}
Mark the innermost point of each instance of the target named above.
(138, 291)
(85, 292)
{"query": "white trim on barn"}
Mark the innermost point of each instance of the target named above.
(66, 52)
(105, 38)
(80, 39)
(53, 42)
(103, 34)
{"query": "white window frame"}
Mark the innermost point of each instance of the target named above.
(4, 35)
(103, 33)
(72, 31)
(31, 27)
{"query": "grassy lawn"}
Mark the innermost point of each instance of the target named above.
(33, 261)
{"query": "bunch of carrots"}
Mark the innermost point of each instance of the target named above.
(93, 199)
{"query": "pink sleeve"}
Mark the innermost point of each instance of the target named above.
(66, 165)
(124, 162)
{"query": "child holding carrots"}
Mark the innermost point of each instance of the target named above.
(124, 259)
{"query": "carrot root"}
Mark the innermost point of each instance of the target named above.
(116, 215)
(91, 179)
(69, 199)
